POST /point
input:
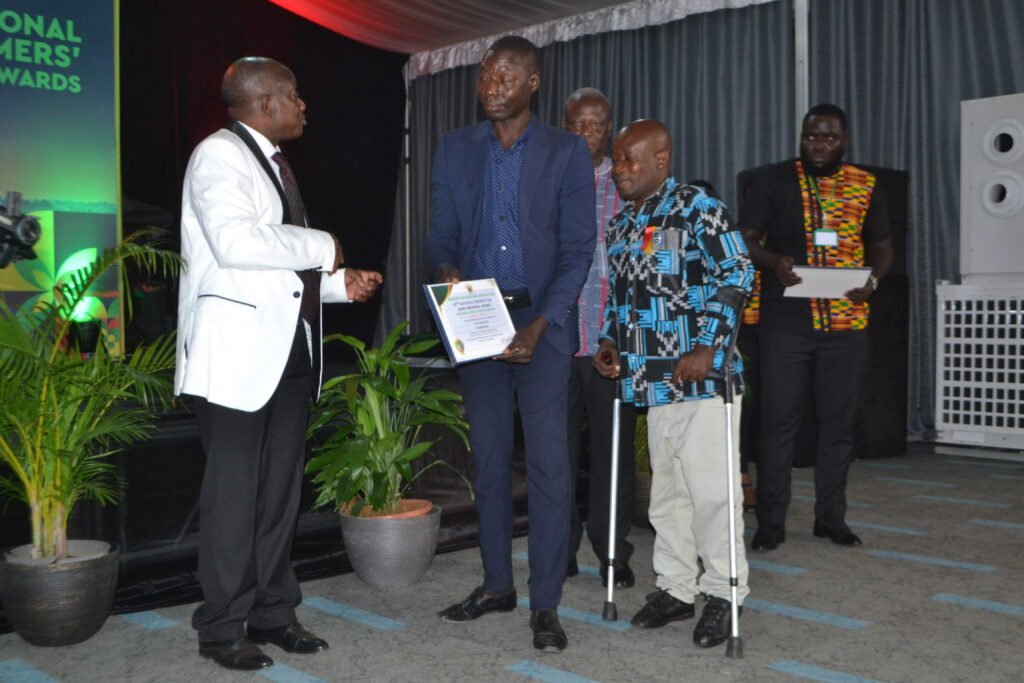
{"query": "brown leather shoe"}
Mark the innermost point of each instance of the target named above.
(290, 638)
(548, 634)
(241, 654)
(479, 603)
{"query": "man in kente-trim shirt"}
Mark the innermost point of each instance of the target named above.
(679, 272)
(816, 211)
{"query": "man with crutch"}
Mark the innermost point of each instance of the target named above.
(678, 274)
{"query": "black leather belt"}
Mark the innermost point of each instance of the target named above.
(516, 300)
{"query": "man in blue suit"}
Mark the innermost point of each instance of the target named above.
(513, 199)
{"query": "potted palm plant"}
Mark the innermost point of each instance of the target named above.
(369, 424)
(62, 414)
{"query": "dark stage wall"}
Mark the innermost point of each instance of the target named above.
(173, 55)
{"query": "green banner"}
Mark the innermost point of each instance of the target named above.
(59, 144)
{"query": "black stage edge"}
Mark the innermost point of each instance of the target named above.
(156, 523)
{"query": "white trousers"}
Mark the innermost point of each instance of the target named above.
(689, 498)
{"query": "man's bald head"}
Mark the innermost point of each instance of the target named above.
(650, 131)
(642, 159)
(249, 77)
(587, 96)
(262, 93)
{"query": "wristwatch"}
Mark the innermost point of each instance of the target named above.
(873, 281)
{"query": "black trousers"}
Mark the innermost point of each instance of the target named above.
(749, 347)
(593, 394)
(797, 367)
(249, 505)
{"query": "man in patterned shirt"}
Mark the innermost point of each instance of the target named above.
(679, 271)
(814, 211)
(588, 114)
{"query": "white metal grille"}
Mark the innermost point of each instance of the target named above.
(980, 368)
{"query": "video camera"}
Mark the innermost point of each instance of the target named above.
(18, 232)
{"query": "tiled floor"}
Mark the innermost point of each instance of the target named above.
(933, 595)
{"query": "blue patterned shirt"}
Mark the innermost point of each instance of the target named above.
(499, 254)
(677, 266)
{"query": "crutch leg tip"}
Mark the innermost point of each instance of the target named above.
(734, 648)
(610, 612)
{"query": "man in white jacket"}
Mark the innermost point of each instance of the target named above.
(249, 354)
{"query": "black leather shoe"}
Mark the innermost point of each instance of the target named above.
(767, 539)
(479, 603)
(572, 568)
(290, 638)
(838, 536)
(548, 634)
(715, 623)
(624, 577)
(661, 608)
(241, 654)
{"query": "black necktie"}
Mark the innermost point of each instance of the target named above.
(309, 307)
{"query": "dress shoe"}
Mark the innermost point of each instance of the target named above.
(242, 654)
(841, 536)
(572, 568)
(767, 539)
(715, 623)
(479, 603)
(290, 638)
(661, 608)
(548, 634)
(624, 577)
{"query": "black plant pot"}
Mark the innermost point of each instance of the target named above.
(60, 603)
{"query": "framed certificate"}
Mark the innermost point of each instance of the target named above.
(472, 318)
(826, 283)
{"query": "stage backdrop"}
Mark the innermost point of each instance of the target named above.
(59, 143)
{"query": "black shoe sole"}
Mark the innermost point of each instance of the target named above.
(683, 617)
(498, 610)
(207, 655)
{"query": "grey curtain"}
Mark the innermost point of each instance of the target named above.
(721, 81)
(900, 69)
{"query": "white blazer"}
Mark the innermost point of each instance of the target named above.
(239, 297)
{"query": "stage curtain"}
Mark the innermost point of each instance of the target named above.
(721, 81)
(900, 69)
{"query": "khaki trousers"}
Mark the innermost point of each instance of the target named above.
(689, 499)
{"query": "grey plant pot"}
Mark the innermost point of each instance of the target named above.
(59, 603)
(391, 553)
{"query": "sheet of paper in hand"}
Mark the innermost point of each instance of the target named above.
(826, 283)
(472, 318)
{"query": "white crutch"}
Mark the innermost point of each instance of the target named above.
(734, 648)
(610, 613)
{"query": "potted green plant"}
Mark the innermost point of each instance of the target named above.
(62, 414)
(370, 423)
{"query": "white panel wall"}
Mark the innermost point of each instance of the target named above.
(992, 189)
